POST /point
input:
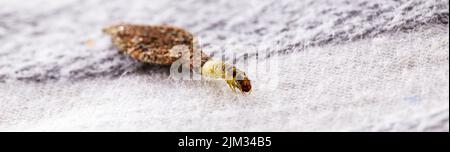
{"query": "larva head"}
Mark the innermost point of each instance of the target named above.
(245, 85)
(240, 81)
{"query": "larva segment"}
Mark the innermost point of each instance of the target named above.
(235, 78)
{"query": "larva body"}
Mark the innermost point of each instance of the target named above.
(155, 45)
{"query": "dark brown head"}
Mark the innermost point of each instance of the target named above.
(242, 81)
(245, 85)
(239, 81)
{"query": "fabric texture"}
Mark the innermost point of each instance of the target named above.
(341, 65)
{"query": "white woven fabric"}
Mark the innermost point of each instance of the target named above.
(343, 66)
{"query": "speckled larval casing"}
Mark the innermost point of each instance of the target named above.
(152, 44)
